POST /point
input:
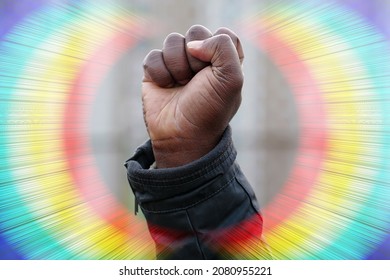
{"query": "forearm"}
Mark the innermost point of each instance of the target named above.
(203, 210)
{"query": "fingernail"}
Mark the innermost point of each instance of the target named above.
(194, 44)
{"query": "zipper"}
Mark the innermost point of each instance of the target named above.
(135, 206)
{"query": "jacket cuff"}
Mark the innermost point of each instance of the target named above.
(178, 188)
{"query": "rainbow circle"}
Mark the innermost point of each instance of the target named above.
(52, 207)
(53, 204)
(333, 205)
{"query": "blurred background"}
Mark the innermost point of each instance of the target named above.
(311, 133)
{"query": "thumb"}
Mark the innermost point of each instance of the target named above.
(224, 57)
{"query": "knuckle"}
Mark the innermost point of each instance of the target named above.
(222, 40)
(173, 45)
(173, 37)
(151, 59)
(198, 32)
(224, 30)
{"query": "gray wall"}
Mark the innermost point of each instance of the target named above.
(265, 128)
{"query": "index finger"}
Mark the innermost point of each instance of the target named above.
(235, 40)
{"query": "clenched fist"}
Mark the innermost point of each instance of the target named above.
(191, 89)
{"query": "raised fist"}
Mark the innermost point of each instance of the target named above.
(191, 89)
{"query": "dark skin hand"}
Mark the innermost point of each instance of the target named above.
(190, 92)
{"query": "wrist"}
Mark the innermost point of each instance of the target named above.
(179, 151)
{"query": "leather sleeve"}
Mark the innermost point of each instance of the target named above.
(202, 210)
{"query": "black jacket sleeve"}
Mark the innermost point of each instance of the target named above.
(202, 210)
